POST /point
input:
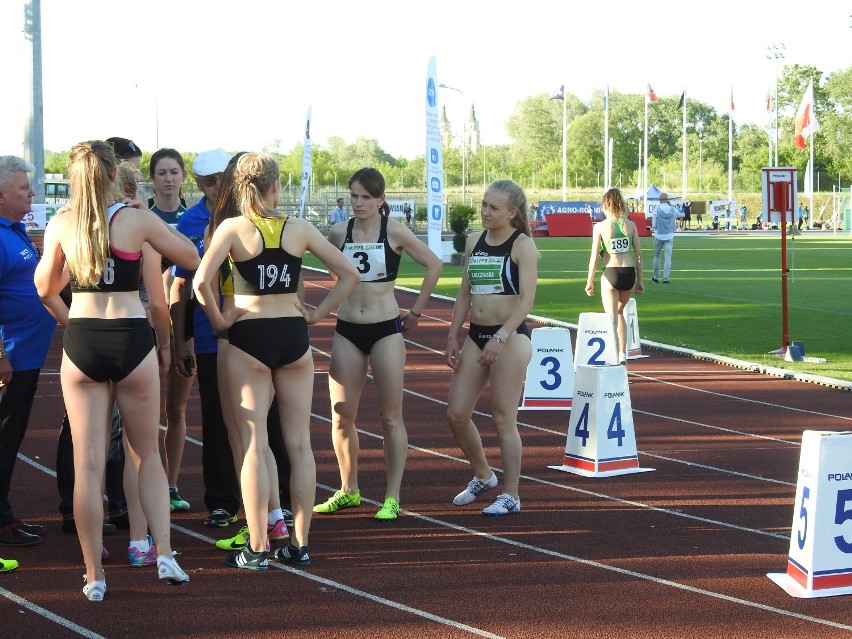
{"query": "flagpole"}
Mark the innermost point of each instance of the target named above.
(606, 139)
(811, 176)
(564, 143)
(645, 145)
(769, 124)
(683, 161)
(731, 150)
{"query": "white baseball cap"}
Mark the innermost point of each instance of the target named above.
(211, 162)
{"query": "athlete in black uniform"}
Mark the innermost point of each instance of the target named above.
(267, 249)
(369, 332)
(497, 292)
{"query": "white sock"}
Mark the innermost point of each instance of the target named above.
(274, 516)
(142, 546)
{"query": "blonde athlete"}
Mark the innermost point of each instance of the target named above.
(108, 346)
(268, 334)
(497, 293)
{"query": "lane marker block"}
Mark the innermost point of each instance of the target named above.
(819, 563)
(631, 318)
(595, 341)
(601, 439)
(550, 374)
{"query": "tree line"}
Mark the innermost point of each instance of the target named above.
(534, 155)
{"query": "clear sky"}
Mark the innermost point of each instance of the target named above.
(241, 74)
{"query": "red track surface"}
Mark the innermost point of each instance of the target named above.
(679, 552)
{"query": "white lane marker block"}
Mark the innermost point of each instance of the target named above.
(601, 439)
(819, 563)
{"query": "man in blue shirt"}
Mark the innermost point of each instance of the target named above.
(26, 329)
(221, 490)
(339, 214)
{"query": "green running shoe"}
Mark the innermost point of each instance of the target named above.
(389, 511)
(237, 542)
(176, 502)
(340, 499)
(8, 565)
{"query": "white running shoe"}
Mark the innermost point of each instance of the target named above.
(505, 504)
(168, 570)
(474, 489)
(94, 591)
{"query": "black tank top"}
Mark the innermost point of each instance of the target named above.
(274, 271)
(490, 269)
(375, 261)
(121, 271)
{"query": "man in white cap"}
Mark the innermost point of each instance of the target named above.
(221, 490)
(663, 227)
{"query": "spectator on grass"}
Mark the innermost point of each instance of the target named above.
(663, 228)
(497, 293)
(617, 238)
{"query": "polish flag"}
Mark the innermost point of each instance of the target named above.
(732, 99)
(768, 101)
(651, 96)
(806, 122)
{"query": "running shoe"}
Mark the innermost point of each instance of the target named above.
(237, 542)
(474, 489)
(8, 565)
(289, 554)
(277, 531)
(288, 517)
(505, 504)
(389, 511)
(248, 559)
(136, 557)
(94, 591)
(219, 518)
(168, 570)
(340, 499)
(176, 502)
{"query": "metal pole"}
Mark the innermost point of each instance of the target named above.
(776, 52)
(34, 128)
(464, 136)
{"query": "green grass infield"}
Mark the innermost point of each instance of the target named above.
(724, 296)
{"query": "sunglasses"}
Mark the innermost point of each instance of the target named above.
(210, 180)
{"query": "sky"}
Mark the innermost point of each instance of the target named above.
(241, 75)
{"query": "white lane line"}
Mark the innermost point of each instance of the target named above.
(303, 573)
(742, 399)
(43, 612)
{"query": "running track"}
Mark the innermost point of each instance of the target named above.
(679, 552)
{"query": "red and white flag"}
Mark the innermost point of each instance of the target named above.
(732, 99)
(806, 122)
(768, 101)
(651, 96)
